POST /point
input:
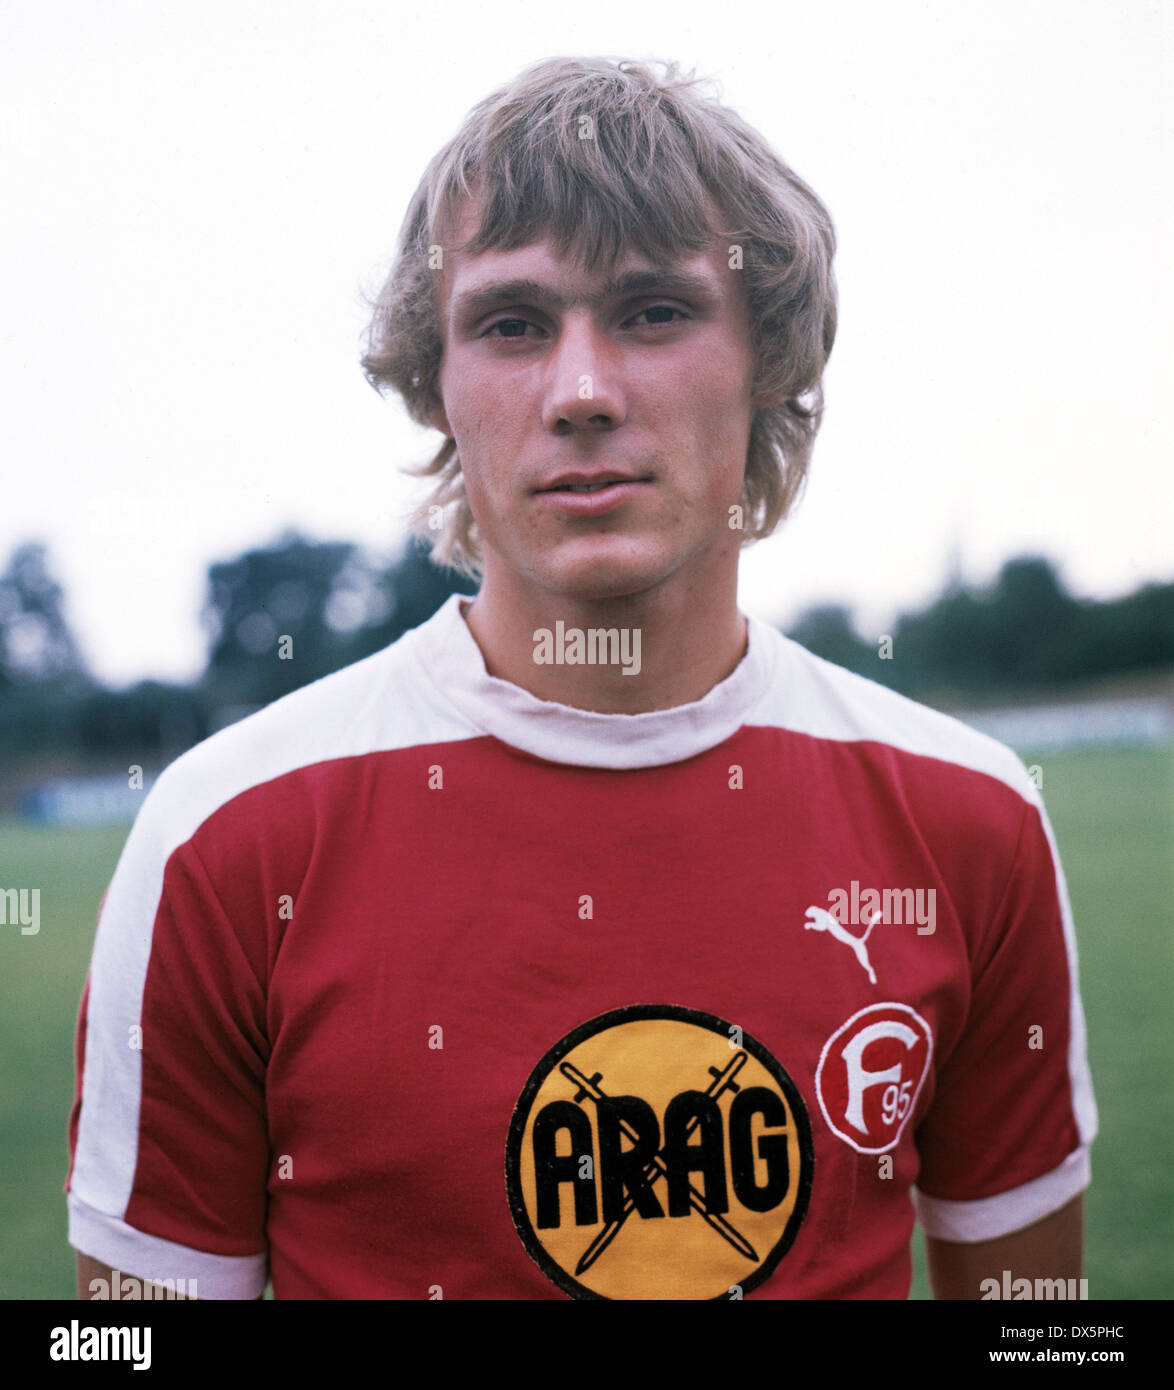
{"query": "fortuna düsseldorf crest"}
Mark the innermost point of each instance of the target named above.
(870, 1074)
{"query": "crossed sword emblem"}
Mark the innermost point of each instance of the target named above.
(656, 1168)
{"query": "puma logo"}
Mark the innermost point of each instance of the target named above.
(821, 920)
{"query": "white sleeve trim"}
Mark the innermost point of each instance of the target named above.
(992, 1217)
(142, 1256)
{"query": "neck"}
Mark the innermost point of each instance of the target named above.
(676, 645)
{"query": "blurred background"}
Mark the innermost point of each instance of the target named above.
(200, 200)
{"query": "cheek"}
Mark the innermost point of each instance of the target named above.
(716, 388)
(721, 422)
(485, 419)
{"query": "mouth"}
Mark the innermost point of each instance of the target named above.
(584, 484)
(582, 498)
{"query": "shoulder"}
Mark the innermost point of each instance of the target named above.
(380, 704)
(914, 744)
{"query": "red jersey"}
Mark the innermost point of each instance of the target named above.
(413, 985)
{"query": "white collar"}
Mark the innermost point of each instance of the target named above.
(450, 657)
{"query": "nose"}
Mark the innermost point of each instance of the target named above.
(584, 390)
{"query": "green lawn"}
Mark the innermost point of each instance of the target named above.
(1113, 814)
(1113, 811)
(41, 980)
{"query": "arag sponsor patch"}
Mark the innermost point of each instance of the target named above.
(658, 1152)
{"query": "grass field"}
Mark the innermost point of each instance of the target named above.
(1113, 811)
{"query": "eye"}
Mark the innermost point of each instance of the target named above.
(660, 309)
(512, 324)
(513, 329)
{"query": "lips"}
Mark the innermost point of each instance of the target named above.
(586, 483)
(599, 497)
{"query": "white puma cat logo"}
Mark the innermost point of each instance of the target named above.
(823, 920)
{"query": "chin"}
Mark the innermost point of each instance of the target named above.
(608, 576)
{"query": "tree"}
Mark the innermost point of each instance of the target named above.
(827, 630)
(36, 644)
(267, 615)
(285, 615)
(411, 590)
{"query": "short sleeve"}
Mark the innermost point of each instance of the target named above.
(168, 1141)
(1006, 1140)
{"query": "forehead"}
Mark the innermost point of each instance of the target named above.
(471, 281)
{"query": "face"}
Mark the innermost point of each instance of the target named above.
(633, 382)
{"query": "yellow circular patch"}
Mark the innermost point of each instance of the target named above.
(658, 1152)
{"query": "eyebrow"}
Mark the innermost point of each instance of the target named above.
(472, 303)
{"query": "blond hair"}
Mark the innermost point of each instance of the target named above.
(658, 152)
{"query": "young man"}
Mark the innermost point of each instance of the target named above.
(591, 940)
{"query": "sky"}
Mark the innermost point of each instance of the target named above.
(199, 196)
